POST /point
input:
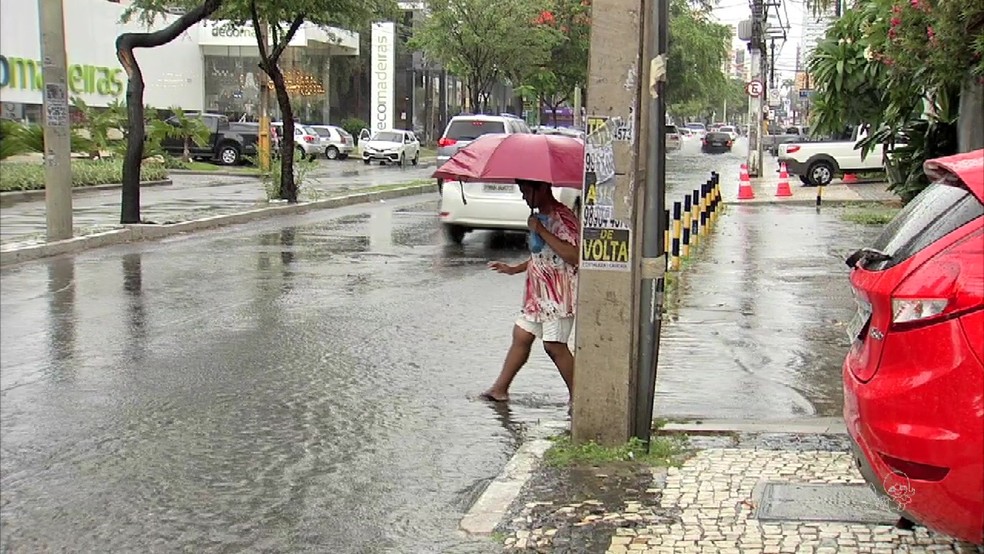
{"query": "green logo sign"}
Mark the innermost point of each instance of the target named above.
(25, 74)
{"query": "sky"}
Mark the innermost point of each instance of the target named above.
(730, 12)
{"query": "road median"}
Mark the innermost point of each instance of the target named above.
(14, 254)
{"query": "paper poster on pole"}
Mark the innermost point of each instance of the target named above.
(606, 241)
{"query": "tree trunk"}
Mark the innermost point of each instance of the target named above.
(970, 122)
(125, 44)
(553, 112)
(186, 153)
(288, 188)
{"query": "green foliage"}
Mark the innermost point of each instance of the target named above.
(876, 214)
(98, 123)
(353, 126)
(186, 129)
(553, 82)
(484, 41)
(698, 48)
(897, 67)
(85, 173)
(29, 138)
(10, 141)
(272, 179)
(663, 451)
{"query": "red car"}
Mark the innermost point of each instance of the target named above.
(914, 377)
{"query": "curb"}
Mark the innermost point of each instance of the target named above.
(491, 508)
(21, 195)
(215, 173)
(804, 426)
(811, 202)
(139, 232)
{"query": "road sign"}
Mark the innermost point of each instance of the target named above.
(754, 88)
(805, 93)
(774, 97)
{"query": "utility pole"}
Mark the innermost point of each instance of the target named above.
(605, 390)
(57, 123)
(652, 263)
(264, 133)
(578, 107)
(756, 119)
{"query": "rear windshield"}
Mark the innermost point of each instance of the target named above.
(671, 129)
(695, 125)
(718, 136)
(936, 212)
(471, 129)
(323, 131)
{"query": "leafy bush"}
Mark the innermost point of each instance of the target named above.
(271, 179)
(353, 126)
(10, 140)
(85, 173)
(23, 139)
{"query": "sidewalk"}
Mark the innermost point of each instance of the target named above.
(837, 192)
(756, 493)
(190, 197)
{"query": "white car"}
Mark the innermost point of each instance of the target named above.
(490, 206)
(819, 162)
(393, 146)
(731, 131)
(336, 142)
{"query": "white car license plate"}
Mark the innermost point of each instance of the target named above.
(499, 188)
(859, 320)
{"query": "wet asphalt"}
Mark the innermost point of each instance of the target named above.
(308, 384)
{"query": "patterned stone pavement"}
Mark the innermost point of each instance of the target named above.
(707, 506)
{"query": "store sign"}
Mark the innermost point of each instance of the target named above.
(382, 82)
(26, 74)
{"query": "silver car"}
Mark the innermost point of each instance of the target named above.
(336, 143)
(463, 129)
(306, 141)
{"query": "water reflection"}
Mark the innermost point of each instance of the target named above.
(61, 310)
(135, 309)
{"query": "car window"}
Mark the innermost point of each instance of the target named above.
(388, 136)
(471, 129)
(937, 211)
(323, 131)
(671, 129)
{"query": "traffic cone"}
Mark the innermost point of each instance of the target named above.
(783, 188)
(745, 186)
(849, 178)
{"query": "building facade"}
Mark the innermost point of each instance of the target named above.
(213, 66)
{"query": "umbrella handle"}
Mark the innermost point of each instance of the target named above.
(462, 185)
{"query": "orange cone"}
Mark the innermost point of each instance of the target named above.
(745, 186)
(850, 178)
(783, 188)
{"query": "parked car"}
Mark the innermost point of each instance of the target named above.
(818, 162)
(914, 375)
(307, 142)
(336, 143)
(685, 133)
(673, 141)
(715, 142)
(392, 146)
(226, 144)
(462, 129)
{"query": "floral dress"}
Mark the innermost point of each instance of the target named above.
(551, 283)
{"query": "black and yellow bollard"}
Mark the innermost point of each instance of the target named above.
(675, 238)
(819, 196)
(704, 213)
(666, 234)
(685, 239)
(695, 217)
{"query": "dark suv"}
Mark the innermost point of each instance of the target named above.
(227, 142)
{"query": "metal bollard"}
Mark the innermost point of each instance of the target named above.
(666, 234)
(704, 214)
(675, 239)
(685, 245)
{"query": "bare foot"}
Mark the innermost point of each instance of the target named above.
(493, 397)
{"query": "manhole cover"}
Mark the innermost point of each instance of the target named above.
(834, 502)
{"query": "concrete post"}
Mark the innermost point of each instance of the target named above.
(57, 122)
(605, 355)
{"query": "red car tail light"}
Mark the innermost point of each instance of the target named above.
(446, 142)
(792, 149)
(308, 138)
(947, 286)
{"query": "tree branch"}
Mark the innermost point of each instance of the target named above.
(284, 41)
(255, 16)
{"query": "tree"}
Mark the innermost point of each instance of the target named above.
(284, 18)
(554, 82)
(697, 49)
(126, 43)
(483, 41)
(188, 130)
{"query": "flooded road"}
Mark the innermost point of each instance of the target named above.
(307, 384)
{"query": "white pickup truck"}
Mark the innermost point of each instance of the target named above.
(817, 163)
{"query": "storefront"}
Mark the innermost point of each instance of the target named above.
(213, 66)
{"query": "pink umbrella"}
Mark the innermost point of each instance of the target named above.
(554, 159)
